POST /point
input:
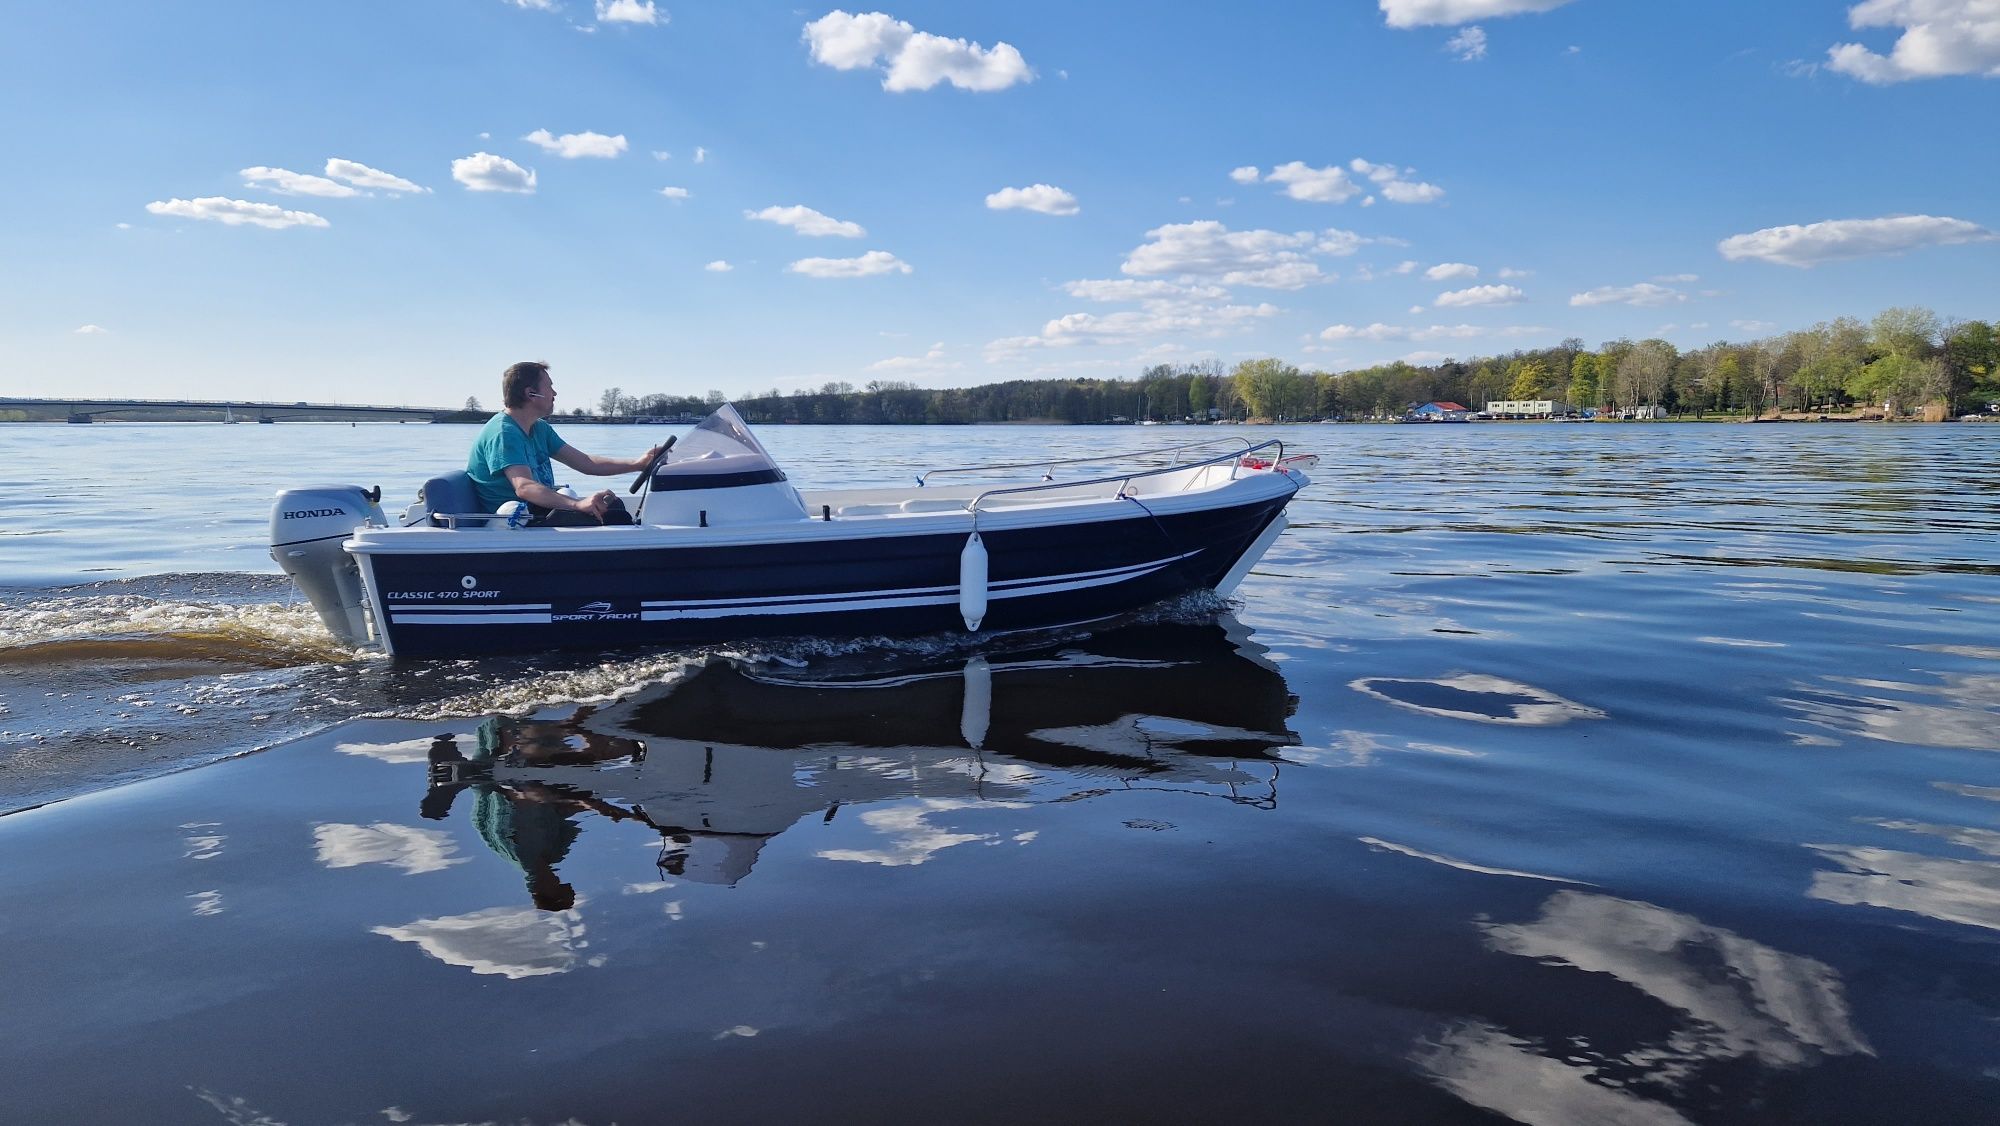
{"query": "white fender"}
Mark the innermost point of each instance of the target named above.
(972, 583)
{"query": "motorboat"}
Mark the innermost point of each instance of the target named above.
(724, 546)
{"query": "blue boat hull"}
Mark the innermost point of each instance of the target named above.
(450, 603)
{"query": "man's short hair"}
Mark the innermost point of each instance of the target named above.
(517, 381)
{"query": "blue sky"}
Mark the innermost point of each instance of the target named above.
(332, 201)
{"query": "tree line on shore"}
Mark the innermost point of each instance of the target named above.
(1905, 362)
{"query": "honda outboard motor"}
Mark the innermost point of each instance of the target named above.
(307, 529)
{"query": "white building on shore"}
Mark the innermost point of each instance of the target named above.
(1529, 408)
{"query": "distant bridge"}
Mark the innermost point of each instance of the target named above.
(236, 410)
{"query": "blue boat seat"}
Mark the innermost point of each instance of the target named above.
(449, 494)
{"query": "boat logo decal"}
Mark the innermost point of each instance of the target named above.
(600, 610)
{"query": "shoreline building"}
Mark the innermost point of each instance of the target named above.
(1530, 408)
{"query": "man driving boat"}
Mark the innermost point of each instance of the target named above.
(510, 458)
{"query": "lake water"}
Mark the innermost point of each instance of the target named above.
(1560, 774)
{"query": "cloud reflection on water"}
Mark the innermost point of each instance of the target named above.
(510, 942)
(1736, 998)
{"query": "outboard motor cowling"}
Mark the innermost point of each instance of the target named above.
(307, 528)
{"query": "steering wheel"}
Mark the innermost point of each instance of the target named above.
(647, 472)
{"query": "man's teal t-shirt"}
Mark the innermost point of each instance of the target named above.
(502, 444)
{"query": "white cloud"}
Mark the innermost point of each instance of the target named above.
(1451, 271)
(90, 330)
(1248, 174)
(1314, 185)
(1126, 289)
(1423, 357)
(675, 193)
(1419, 13)
(629, 11)
(806, 221)
(1509, 272)
(571, 146)
(1393, 186)
(236, 212)
(1469, 44)
(1677, 279)
(1481, 295)
(1036, 197)
(1839, 239)
(719, 266)
(868, 265)
(1644, 295)
(286, 182)
(1379, 331)
(700, 155)
(1207, 249)
(484, 172)
(1415, 309)
(1341, 243)
(1748, 326)
(662, 154)
(534, 5)
(931, 361)
(912, 59)
(1940, 38)
(362, 176)
(1404, 268)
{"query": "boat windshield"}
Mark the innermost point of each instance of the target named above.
(723, 434)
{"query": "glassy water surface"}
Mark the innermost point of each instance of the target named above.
(1558, 774)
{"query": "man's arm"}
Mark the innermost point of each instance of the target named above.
(534, 492)
(602, 466)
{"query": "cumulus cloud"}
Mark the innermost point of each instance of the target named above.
(662, 154)
(1677, 279)
(1248, 174)
(806, 221)
(1508, 272)
(700, 155)
(236, 212)
(1036, 197)
(533, 5)
(1404, 268)
(1836, 240)
(719, 266)
(1394, 188)
(912, 59)
(1469, 44)
(1451, 271)
(867, 265)
(1481, 295)
(571, 146)
(1207, 249)
(90, 330)
(629, 11)
(1644, 295)
(294, 183)
(484, 172)
(362, 176)
(1940, 38)
(675, 193)
(1314, 185)
(1421, 13)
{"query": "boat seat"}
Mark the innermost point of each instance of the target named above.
(449, 494)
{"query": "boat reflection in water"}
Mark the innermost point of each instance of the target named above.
(724, 760)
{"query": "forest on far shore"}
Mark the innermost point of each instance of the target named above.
(1905, 363)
